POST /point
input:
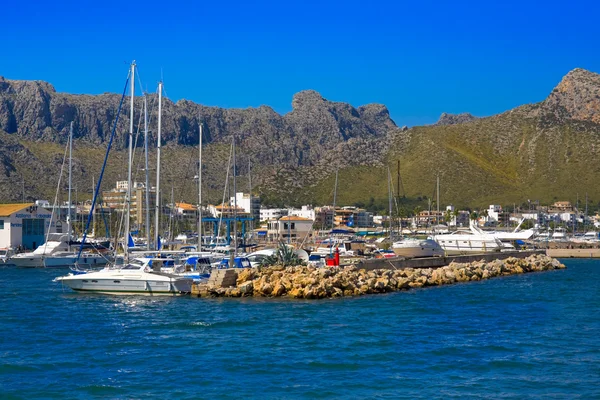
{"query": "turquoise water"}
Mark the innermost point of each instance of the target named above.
(535, 335)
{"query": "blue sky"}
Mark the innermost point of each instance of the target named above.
(418, 58)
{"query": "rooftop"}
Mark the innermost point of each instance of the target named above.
(7, 209)
(294, 218)
(186, 206)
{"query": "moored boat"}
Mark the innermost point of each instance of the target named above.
(413, 248)
(54, 253)
(135, 278)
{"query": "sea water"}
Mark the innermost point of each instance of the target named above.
(524, 336)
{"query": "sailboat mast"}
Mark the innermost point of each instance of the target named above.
(335, 189)
(200, 189)
(437, 217)
(390, 194)
(70, 171)
(234, 204)
(157, 209)
(586, 213)
(250, 192)
(147, 172)
(93, 214)
(128, 205)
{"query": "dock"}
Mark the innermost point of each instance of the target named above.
(573, 253)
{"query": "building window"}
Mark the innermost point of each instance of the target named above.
(1, 224)
(33, 227)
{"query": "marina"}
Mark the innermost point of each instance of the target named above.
(300, 200)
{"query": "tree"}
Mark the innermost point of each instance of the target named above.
(284, 255)
(447, 216)
(527, 224)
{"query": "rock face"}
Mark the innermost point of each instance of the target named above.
(33, 110)
(453, 119)
(576, 97)
(534, 151)
(319, 283)
(287, 152)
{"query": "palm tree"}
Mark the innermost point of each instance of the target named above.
(284, 255)
(485, 213)
(416, 212)
(455, 214)
(474, 215)
(447, 216)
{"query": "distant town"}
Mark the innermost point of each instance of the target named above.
(30, 221)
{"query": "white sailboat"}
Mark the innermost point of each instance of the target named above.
(135, 276)
(56, 250)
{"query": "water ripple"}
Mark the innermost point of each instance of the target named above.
(526, 336)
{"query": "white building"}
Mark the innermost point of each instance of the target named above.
(307, 212)
(494, 212)
(250, 204)
(538, 217)
(272, 214)
(25, 224)
(289, 228)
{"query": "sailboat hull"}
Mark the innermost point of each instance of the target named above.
(67, 261)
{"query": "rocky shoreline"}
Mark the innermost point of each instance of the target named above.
(319, 283)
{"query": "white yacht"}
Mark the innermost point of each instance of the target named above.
(138, 277)
(469, 241)
(5, 255)
(412, 248)
(54, 253)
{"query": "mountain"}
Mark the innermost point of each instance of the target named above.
(286, 152)
(545, 151)
(577, 97)
(453, 119)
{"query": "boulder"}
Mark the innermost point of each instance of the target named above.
(278, 290)
(246, 288)
(247, 274)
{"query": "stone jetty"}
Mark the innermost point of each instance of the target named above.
(317, 283)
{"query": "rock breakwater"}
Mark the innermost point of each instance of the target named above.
(319, 283)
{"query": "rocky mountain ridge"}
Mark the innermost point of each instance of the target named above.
(33, 110)
(525, 152)
(453, 119)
